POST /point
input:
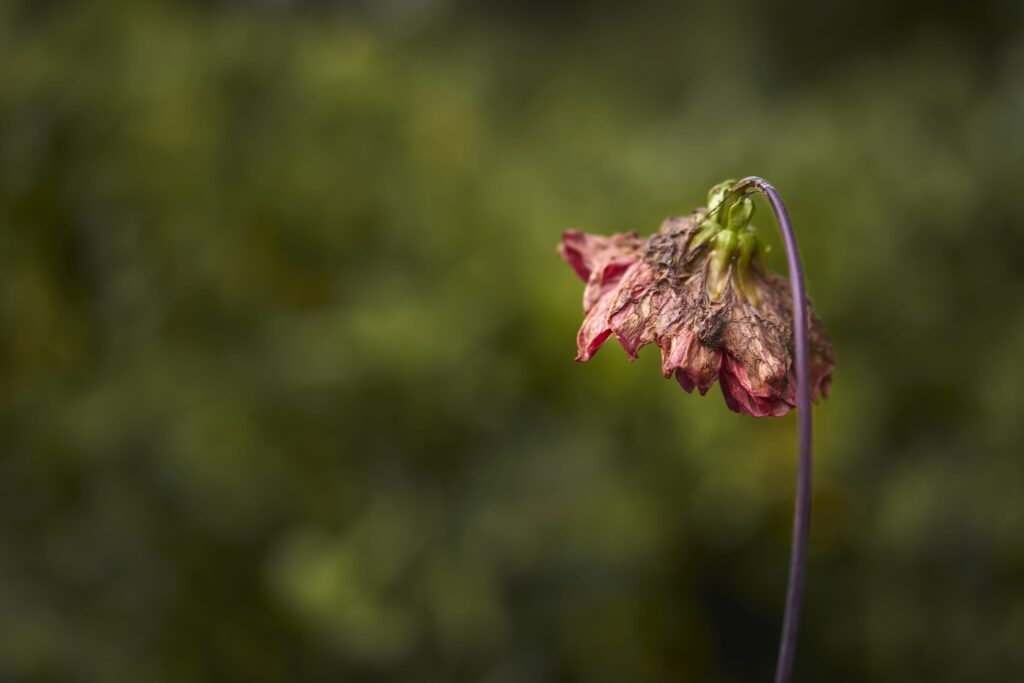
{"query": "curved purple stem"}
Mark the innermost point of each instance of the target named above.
(802, 508)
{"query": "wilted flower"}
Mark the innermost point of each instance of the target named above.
(698, 289)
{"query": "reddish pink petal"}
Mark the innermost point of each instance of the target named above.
(821, 375)
(572, 249)
(694, 364)
(604, 279)
(685, 381)
(740, 399)
(823, 358)
(761, 372)
(633, 318)
(823, 385)
(587, 253)
(595, 329)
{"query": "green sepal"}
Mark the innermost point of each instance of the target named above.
(749, 250)
(739, 214)
(717, 213)
(725, 244)
(716, 195)
(709, 228)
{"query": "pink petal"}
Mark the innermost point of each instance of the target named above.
(685, 381)
(821, 376)
(604, 279)
(740, 398)
(694, 364)
(572, 249)
(595, 329)
(587, 253)
(634, 316)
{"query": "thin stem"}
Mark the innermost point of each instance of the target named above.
(802, 508)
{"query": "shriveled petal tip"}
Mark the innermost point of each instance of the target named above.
(604, 278)
(823, 358)
(823, 386)
(693, 363)
(821, 377)
(756, 397)
(587, 253)
(685, 381)
(633, 316)
(571, 249)
(592, 335)
(588, 345)
(595, 329)
(740, 400)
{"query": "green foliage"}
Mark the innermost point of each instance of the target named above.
(287, 383)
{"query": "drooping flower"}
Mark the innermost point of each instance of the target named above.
(698, 290)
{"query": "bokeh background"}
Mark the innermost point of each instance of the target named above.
(286, 378)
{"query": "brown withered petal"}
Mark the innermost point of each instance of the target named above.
(759, 375)
(656, 291)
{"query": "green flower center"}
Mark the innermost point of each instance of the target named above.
(735, 247)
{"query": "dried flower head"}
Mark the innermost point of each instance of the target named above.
(700, 291)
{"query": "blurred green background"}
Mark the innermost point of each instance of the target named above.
(286, 378)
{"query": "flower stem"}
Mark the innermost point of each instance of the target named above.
(802, 507)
